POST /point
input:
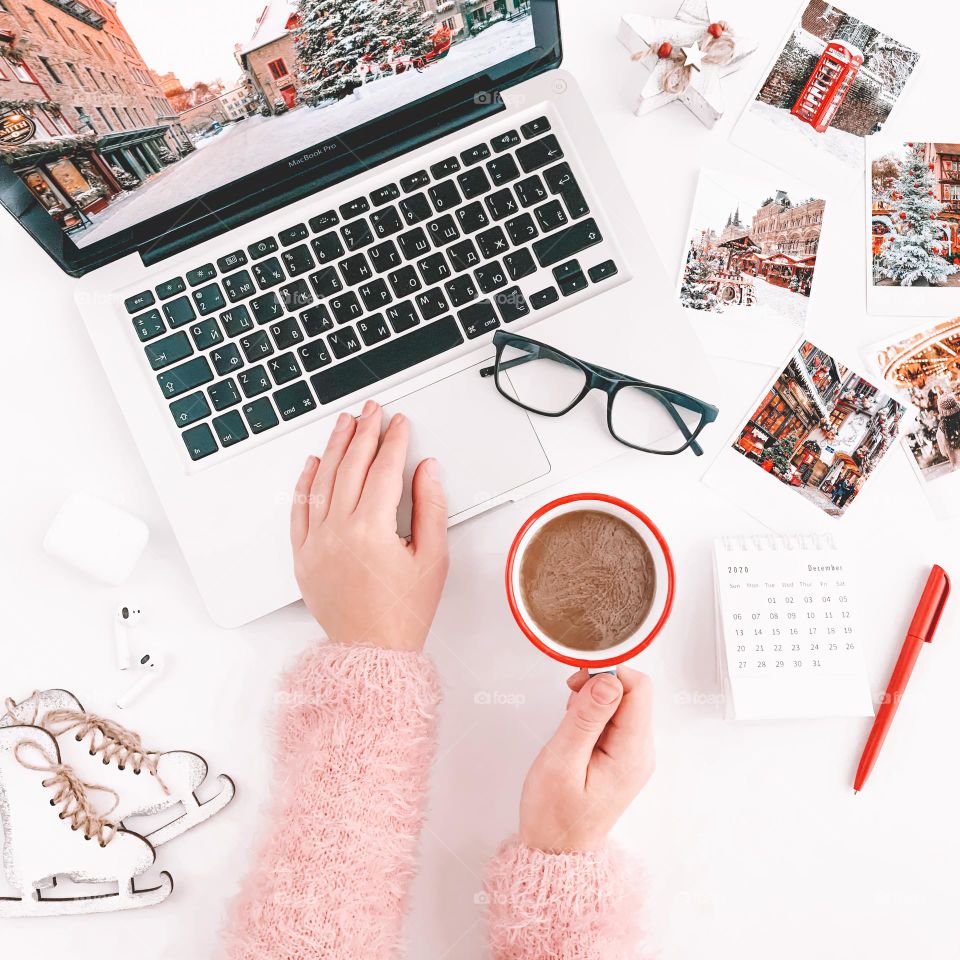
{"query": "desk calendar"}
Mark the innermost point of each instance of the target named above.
(788, 640)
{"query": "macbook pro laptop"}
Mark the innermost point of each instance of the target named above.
(260, 252)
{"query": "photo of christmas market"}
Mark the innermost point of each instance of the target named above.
(107, 128)
(915, 211)
(821, 429)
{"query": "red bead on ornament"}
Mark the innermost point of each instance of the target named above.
(715, 29)
(664, 50)
(903, 216)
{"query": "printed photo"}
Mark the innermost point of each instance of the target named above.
(821, 430)
(114, 113)
(749, 263)
(835, 81)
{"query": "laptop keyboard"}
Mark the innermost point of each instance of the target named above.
(360, 293)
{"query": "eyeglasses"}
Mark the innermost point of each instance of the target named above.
(641, 415)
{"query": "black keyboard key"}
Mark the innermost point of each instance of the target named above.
(354, 208)
(431, 303)
(256, 346)
(208, 299)
(149, 325)
(179, 312)
(444, 196)
(386, 360)
(327, 247)
(189, 409)
(232, 261)
(566, 270)
(433, 269)
(140, 301)
(472, 217)
(314, 355)
(268, 273)
(461, 290)
(474, 183)
(298, 260)
(239, 286)
(511, 305)
(254, 381)
(543, 298)
(293, 235)
(230, 428)
(492, 243)
(522, 229)
(405, 281)
(567, 243)
(414, 243)
(188, 376)
(415, 181)
(346, 307)
(373, 329)
(416, 209)
(573, 283)
(384, 256)
(324, 221)
(603, 271)
(284, 368)
(355, 270)
(260, 415)
(551, 215)
(505, 141)
(561, 181)
(326, 282)
(463, 255)
(475, 154)
(478, 319)
(535, 127)
(266, 308)
(294, 401)
(375, 294)
(316, 320)
(224, 394)
(199, 441)
(344, 342)
(531, 191)
(262, 248)
(520, 264)
(443, 230)
(539, 153)
(386, 222)
(503, 170)
(202, 274)
(173, 349)
(403, 316)
(491, 276)
(296, 295)
(226, 359)
(502, 204)
(236, 321)
(170, 288)
(445, 168)
(206, 334)
(286, 334)
(385, 194)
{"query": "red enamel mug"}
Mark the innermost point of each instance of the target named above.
(663, 566)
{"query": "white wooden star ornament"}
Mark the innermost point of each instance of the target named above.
(685, 58)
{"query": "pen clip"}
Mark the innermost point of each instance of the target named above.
(934, 599)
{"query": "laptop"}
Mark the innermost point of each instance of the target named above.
(345, 219)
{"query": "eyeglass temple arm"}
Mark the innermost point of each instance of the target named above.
(509, 364)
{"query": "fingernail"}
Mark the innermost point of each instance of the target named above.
(343, 421)
(369, 408)
(399, 419)
(432, 468)
(311, 460)
(605, 689)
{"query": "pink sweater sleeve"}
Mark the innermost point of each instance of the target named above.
(565, 906)
(356, 736)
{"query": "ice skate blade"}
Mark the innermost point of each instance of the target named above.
(99, 903)
(195, 813)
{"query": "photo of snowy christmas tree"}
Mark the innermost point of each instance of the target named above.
(915, 216)
(835, 81)
(107, 135)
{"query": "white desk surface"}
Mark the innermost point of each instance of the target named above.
(753, 840)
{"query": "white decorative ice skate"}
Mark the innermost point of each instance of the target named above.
(50, 830)
(147, 782)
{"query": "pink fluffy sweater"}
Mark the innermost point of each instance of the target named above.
(356, 738)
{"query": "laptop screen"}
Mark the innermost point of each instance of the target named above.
(114, 112)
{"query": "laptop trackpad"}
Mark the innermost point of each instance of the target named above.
(486, 446)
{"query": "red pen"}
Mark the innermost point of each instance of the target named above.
(922, 628)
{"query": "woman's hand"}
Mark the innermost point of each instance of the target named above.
(362, 582)
(597, 762)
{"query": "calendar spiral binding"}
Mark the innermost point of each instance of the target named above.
(775, 542)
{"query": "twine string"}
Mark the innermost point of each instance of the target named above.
(717, 51)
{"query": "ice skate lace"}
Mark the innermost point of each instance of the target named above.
(71, 792)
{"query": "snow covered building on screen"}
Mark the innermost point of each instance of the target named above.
(269, 57)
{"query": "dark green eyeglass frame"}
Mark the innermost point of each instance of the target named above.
(600, 378)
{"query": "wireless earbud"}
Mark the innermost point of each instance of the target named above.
(126, 616)
(150, 667)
